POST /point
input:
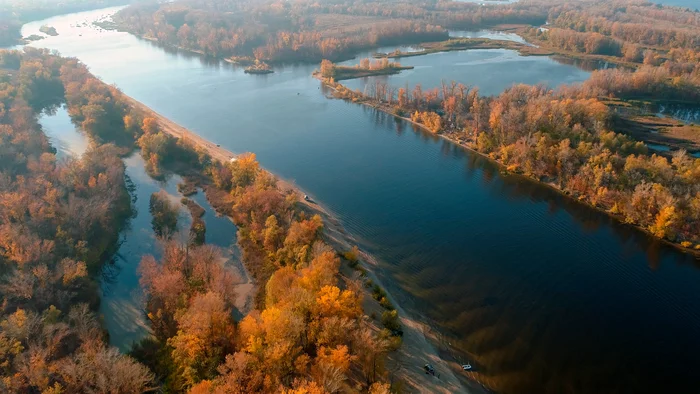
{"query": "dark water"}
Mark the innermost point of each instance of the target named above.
(122, 302)
(540, 293)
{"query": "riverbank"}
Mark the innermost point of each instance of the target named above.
(417, 347)
(456, 137)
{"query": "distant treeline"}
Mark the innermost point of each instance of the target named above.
(335, 30)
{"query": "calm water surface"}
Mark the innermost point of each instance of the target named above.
(492, 70)
(540, 293)
(122, 302)
(62, 134)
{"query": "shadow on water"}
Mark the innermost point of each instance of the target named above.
(558, 317)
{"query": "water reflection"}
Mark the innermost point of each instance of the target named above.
(587, 64)
(492, 70)
(62, 134)
(522, 332)
(517, 187)
(208, 61)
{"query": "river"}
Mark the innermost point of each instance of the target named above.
(540, 293)
(122, 307)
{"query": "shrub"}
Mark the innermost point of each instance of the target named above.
(390, 320)
(351, 256)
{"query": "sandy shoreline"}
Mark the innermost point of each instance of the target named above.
(417, 349)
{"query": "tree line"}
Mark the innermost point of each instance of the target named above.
(564, 138)
(335, 30)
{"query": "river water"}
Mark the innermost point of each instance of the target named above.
(540, 293)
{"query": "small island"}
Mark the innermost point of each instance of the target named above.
(365, 68)
(49, 30)
(258, 67)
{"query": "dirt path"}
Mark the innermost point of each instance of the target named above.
(417, 349)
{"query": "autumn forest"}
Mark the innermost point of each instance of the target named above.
(320, 320)
(59, 220)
